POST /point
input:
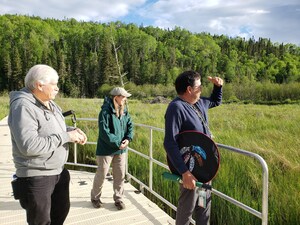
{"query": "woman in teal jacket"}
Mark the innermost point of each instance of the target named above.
(115, 133)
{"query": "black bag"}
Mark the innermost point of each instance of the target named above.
(16, 187)
(200, 155)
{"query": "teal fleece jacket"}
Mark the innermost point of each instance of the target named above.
(39, 136)
(112, 130)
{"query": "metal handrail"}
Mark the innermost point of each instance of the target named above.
(263, 215)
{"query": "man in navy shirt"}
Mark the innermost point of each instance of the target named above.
(188, 111)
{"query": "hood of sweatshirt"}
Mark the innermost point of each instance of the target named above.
(23, 93)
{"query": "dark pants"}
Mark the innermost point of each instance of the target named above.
(46, 198)
(188, 204)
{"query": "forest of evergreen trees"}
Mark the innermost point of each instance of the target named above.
(83, 53)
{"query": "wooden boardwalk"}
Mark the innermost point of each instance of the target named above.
(139, 209)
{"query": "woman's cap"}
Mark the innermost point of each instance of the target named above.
(119, 91)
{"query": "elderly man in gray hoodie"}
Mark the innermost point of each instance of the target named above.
(40, 147)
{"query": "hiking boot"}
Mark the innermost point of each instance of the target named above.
(97, 203)
(120, 205)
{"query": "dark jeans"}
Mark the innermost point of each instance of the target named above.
(46, 198)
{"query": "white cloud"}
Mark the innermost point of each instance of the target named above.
(258, 11)
(216, 24)
(233, 18)
(102, 10)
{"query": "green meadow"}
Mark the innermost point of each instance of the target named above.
(270, 131)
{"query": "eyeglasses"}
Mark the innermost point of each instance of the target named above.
(198, 87)
(51, 83)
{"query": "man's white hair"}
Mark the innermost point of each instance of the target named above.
(40, 73)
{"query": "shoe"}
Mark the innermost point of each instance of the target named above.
(120, 205)
(96, 203)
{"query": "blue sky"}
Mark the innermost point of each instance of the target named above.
(275, 19)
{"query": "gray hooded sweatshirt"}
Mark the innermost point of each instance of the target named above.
(39, 136)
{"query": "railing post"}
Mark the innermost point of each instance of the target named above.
(151, 161)
(265, 193)
(75, 147)
(126, 164)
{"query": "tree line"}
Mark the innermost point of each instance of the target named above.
(89, 56)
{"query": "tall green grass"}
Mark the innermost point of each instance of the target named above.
(270, 131)
(4, 106)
